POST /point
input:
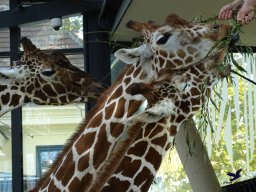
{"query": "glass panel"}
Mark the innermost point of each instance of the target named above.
(4, 62)
(231, 142)
(4, 5)
(171, 175)
(45, 130)
(116, 67)
(5, 153)
(77, 60)
(45, 37)
(45, 156)
(4, 41)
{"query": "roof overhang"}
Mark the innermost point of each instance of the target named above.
(42, 11)
(145, 10)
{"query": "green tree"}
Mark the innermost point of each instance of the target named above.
(176, 181)
(72, 24)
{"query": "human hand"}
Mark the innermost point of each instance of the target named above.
(246, 13)
(226, 11)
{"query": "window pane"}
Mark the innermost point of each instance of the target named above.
(5, 153)
(4, 41)
(45, 37)
(5, 62)
(77, 60)
(4, 5)
(45, 130)
(116, 68)
(4, 34)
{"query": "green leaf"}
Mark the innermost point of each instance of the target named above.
(214, 104)
(240, 68)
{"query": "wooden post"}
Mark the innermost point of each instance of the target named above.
(195, 160)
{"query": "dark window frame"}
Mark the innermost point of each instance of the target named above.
(91, 63)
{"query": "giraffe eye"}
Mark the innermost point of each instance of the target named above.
(164, 39)
(48, 73)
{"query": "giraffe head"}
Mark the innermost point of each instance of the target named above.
(184, 61)
(176, 43)
(45, 77)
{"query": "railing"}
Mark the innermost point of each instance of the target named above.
(6, 183)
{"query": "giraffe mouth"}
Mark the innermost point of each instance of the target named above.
(234, 40)
(225, 71)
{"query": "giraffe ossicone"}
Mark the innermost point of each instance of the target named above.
(108, 153)
(44, 77)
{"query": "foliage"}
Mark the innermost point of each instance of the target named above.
(175, 179)
(219, 155)
(72, 24)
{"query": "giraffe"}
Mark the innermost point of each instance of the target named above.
(44, 77)
(118, 147)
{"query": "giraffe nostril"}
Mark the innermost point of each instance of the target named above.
(235, 38)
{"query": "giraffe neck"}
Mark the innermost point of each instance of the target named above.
(81, 162)
(140, 164)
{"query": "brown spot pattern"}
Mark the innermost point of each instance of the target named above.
(118, 92)
(74, 184)
(191, 50)
(160, 140)
(15, 100)
(109, 111)
(100, 155)
(65, 166)
(121, 108)
(84, 142)
(133, 107)
(116, 129)
(5, 98)
(52, 187)
(139, 148)
(83, 163)
(181, 53)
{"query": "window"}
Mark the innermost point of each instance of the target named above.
(45, 156)
(5, 153)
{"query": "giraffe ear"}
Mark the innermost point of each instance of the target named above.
(130, 56)
(8, 72)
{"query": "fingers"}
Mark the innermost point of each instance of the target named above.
(245, 17)
(226, 11)
(225, 14)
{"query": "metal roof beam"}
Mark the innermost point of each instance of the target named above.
(37, 12)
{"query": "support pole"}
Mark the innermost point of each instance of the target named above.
(16, 122)
(96, 51)
(197, 165)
